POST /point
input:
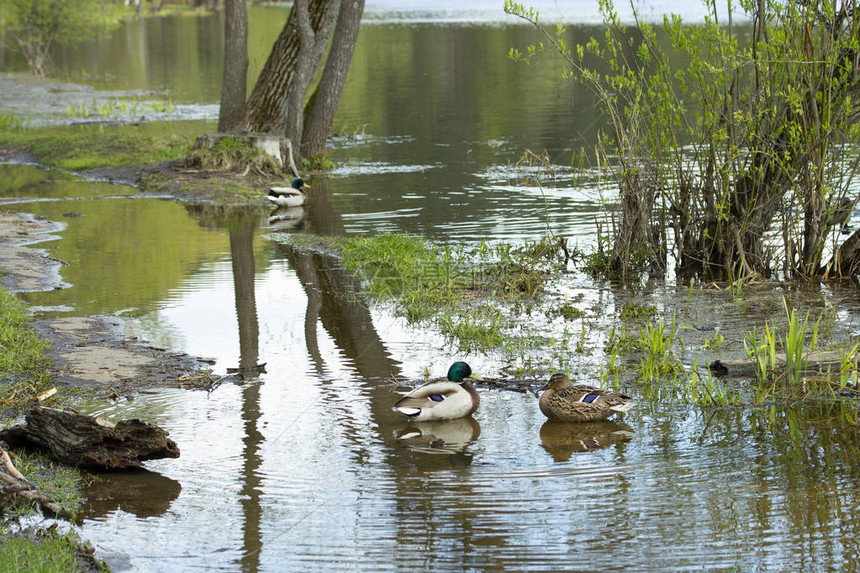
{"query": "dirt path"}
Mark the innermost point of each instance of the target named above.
(88, 351)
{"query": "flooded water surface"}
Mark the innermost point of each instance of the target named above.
(305, 467)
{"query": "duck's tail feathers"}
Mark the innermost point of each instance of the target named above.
(623, 407)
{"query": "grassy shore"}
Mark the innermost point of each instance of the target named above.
(24, 375)
(23, 364)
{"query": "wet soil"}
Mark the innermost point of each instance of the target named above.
(89, 352)
(188, 185)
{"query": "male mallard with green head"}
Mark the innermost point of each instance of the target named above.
(292, 196)
(562, 401)
(446, 399)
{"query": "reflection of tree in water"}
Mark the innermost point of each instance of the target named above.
(331, 302)
(241, 225)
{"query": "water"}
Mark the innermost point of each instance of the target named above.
(306, 467)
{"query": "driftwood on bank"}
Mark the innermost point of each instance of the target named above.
(15, 485)
(88, 442)
(821, 361)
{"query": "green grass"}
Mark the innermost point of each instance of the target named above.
(9, 121)
(87, 147)
(23, 363)
(47, 551)
(63, 484)
(469, 294)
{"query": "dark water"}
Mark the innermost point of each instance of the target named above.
(305, 468)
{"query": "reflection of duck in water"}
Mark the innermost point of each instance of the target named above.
(446, 399)
(561, 439)
(564, 402)
(292, 196)
(441, 437)
(287, 218)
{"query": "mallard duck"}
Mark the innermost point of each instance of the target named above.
(292, 196)
(442, 399)
(561, 401)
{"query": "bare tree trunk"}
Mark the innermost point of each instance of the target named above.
(311, 47)
(235, 65)
(323, 107)
(265, 107)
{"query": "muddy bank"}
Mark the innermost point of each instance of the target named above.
(88, 352)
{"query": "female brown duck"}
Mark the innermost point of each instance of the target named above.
(562, 401)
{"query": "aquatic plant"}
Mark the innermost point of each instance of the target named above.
(632, 311)
(9, 121)
(657, 342)
(701, 154)
(713, 342)
(782, 367)
(471, 294)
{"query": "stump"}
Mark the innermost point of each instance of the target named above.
(89, 442)
(279, 148)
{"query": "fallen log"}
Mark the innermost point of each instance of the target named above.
(816, 362)
(89, 442)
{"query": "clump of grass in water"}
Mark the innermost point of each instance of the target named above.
(786, 375)
(656, 341)
(426, 282)
(9, 121)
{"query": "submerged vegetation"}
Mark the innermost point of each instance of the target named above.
(460, 290)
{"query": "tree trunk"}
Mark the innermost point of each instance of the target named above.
(235, 65)
(320, 113)
(264, 109)
(312, 45)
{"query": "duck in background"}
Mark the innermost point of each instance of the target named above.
(292, 196)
